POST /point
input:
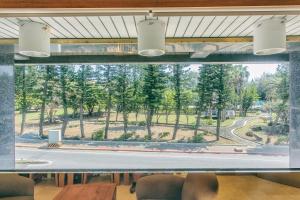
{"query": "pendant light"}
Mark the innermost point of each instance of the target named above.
(34, 39)
(151, 37)
(269, 37)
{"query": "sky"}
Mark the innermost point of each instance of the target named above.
(256, 70)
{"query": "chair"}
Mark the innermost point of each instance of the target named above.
(170, 187)
(15, 187)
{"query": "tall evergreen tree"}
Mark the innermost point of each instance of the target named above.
(154, 85)
(177, 73)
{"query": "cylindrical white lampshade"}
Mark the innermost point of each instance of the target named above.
(34, 39)
(151, 37)
(269, 37)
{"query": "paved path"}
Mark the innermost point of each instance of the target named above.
(228, 131)
(101, 160)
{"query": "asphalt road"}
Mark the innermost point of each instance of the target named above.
(93, 160)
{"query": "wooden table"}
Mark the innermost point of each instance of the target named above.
(95, 191)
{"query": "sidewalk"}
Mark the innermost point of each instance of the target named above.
(156, 147)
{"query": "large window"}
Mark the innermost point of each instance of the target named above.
(152, 116)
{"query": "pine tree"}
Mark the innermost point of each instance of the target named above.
(153, 88)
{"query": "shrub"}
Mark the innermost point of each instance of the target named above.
(126, 136)
(163, 135)
(197, 138)
(256, 128)
(98, 135)
(147, 138)
(281, 140)
(210, 122)
(142, 123)
(250, 134)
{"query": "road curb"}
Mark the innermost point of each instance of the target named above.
(149, 150)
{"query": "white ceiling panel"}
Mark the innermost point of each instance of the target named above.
(89, 27)
(214, 26)
(234, 25)
(126, 26)
(64, 23)
(61, 29)
(130, 24)
(205, 24)
(97, 23)
(172, 26)
(110, 26)
(182, 26)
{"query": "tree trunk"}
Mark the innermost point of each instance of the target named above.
(136, 117)
(187, 119)
(43, 107)
(167, 116)
(177, 84)
(117, 116)
(125, 119)
(24, 102)
(197, 123)
(108, 103)
(149, 123)
(218, 123)
(81, 120)
(23, 122)
(65, 122)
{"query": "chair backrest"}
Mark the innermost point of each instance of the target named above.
(159, 187)
(199, 186)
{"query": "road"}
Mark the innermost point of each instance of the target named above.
(93, 160)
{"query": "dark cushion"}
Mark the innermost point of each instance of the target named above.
(18, 198)
(200, 187)
(159, 187)
(13, 185)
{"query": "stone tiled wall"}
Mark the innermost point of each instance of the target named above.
(7, 107)
(294, 136)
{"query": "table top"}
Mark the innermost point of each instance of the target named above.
(95, 191)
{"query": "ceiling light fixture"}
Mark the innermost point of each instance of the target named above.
(151, 37)
(269, 37)
(34, 39)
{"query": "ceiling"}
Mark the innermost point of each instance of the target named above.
(125, 26)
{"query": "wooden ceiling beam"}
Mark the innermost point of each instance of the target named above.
(123, 4)
(134, 40)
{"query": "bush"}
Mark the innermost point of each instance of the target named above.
(281, 140)
(98, 135)
(142, 123)
(256, 128)
(250, 134)
(163, 135)
(126, 136)
(210, 122)
(147, 138)
(197, 138)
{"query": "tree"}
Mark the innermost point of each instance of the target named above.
(187, 101)
(47, 75)
(63, 85)
(82, 78)
(249, 95)
(177, 72)
(205, 89)
(154, 85)
(124, 93)
(168, 103)
(137, 102)
(222, 90)
(21, 92)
